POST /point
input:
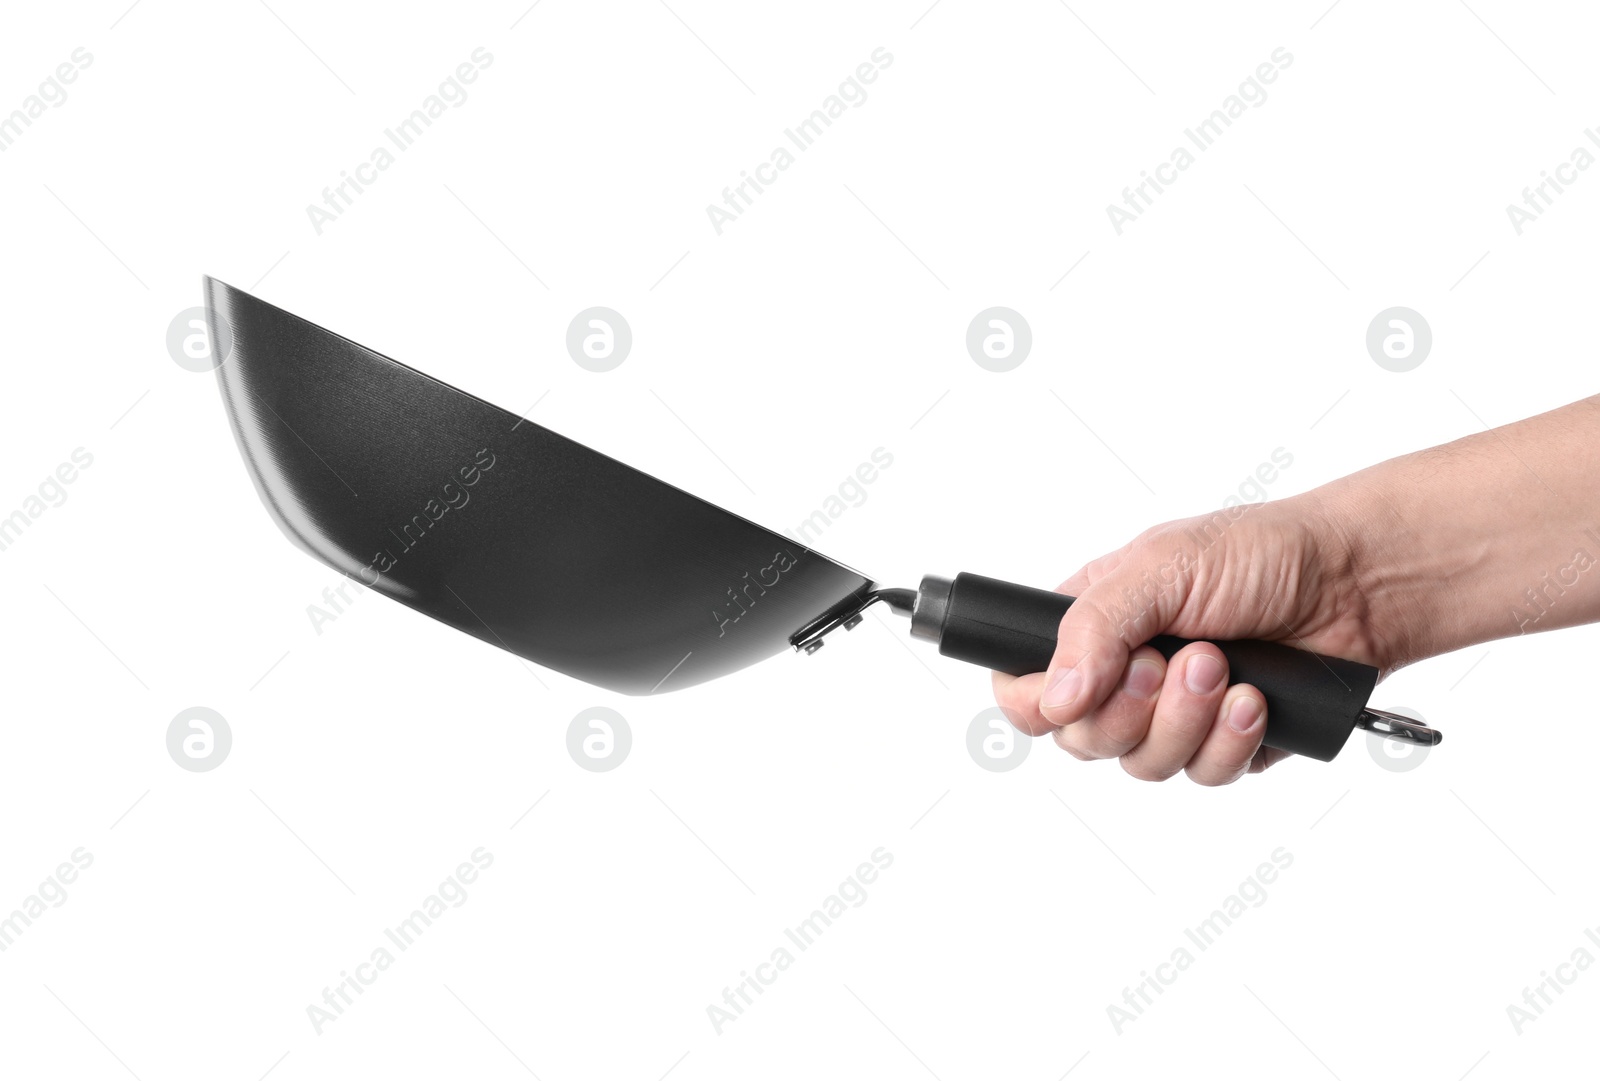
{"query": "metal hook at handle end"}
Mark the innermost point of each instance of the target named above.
(1398, 728)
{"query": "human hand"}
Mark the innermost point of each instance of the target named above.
(1281, 571)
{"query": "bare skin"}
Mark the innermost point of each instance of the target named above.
(1493, 535)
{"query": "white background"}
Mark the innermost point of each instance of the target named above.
(829, 320)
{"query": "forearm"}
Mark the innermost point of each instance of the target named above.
(1493, 535)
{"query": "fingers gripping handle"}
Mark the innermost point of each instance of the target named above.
(1313, 701)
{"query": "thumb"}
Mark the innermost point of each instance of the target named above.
(1115, 614)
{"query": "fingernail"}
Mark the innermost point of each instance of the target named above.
(1063, 687)
(1203, 674)
(1243, 714)
(1143, 678)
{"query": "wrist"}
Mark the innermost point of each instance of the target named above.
(1390, 578)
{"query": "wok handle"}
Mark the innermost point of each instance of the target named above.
(1313, 702)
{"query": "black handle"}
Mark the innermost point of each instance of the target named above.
(1312, 701)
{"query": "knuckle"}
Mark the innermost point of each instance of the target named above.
(1218, 771)
(1207, 777)
(1184, 720)
(1144, 770)
(1101, 566)
(1088, 624)
(1074, 752)
(1191, 725)
(1119, 729)
(1081, 741)
(1122, 727)
(1025, 719)
(1068, 741)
